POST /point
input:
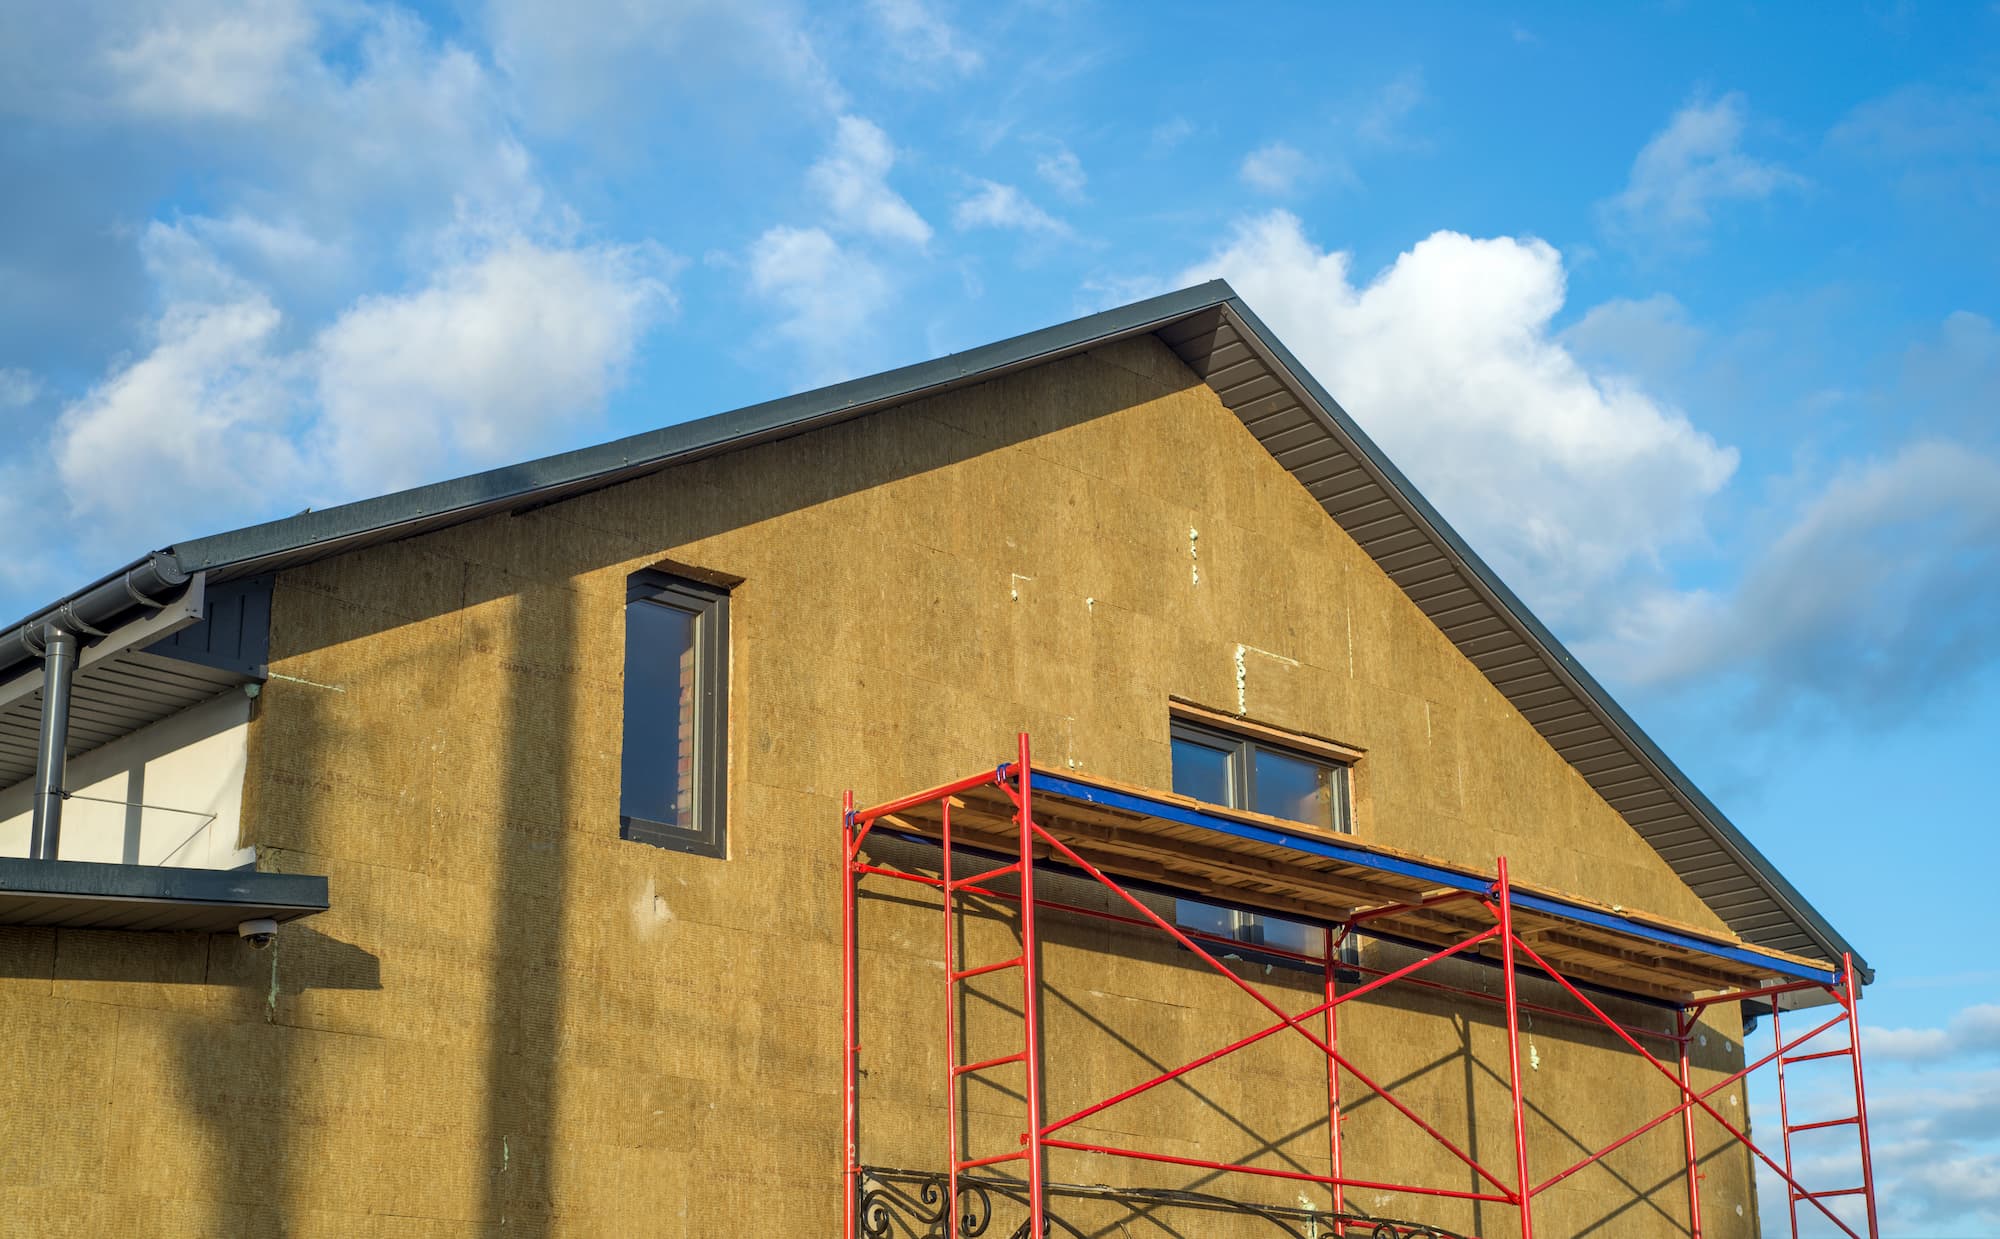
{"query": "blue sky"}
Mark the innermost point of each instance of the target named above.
(1685, 315)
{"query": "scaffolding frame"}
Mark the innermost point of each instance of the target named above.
(1510, 1187)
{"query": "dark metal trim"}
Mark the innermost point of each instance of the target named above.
(42, 892)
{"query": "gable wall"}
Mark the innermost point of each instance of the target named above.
(511, 1014)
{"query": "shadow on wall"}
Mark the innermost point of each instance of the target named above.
(276, 1106)
(1468, 1080)
(312, 960)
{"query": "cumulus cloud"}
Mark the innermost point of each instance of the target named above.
(481, 365)
(1274, 168)
(1883, 591)
(334, 143)
(852, 179)
(1689, 169)
(1566, 479)
(206, 411)
(202, 60)
(483, 362)
(826, 294)
(995, 205)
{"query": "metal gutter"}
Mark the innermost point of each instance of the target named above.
(145, 584)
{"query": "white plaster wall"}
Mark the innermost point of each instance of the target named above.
(175, 793)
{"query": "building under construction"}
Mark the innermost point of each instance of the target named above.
(1075, 787)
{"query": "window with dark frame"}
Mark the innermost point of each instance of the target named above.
(1244, 772)
(673, 763)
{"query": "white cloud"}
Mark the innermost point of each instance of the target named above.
(480, 365)
(826, 294)
(220, 416)
(1934, 1119)
(995, 205)
(1973, 1032)
(1062, 171)
(853, 179)
(1274, 168)
(581, 64)
(1882, 592)
(200, 60)
(207, 413)
(219, 60)
(1689, 168)
(1566, 479)
(920, 36)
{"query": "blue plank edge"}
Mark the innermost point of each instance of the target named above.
(1054, 784)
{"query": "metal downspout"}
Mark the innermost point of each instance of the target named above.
(59, 650)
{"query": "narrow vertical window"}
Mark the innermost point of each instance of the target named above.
(673, 765)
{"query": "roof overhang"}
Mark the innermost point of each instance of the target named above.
(71, 894)
(1295, 419)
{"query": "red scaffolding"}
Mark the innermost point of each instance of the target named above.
(1028, 819)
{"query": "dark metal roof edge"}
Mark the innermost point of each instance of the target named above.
(303, 893)
(653, 449)
(1705, 811)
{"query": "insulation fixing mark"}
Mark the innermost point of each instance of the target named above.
(293, 679)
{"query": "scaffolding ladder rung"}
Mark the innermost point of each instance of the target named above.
(1852, 1119)
(1806, 1058)
(983, 969)
(1845, 1191)
(967, 1069)
(989, 875)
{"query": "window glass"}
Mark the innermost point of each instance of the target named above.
(1201, 770)
(674, 763)
(655, 783)
(1240, 773)
(1296, 789)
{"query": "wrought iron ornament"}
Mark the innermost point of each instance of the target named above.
(911, 1204)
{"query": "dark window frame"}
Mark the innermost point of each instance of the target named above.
(1241, 776)
(709, 769)
(1242, 753)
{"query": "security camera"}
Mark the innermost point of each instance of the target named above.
(258, 933)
